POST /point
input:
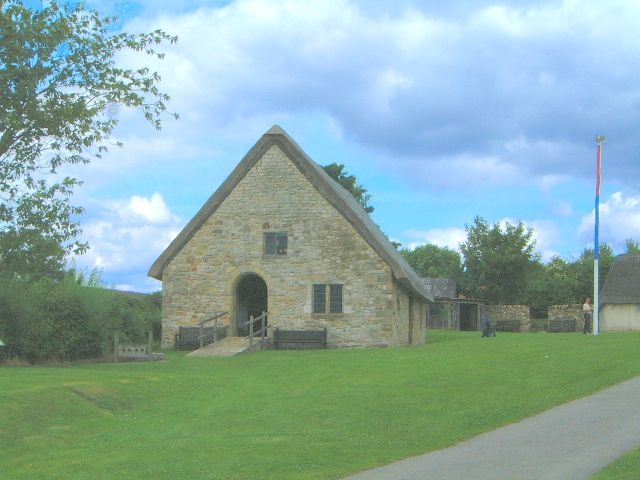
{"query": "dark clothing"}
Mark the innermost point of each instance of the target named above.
(487, 328)
(587, 323)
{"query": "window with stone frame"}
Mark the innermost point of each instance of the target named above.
(276, 243)
(319, 298)
(335, 298)
(327, 298)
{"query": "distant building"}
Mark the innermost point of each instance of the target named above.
(620, 296)
(280, 235)
(450, 311)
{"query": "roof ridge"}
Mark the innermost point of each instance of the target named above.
(275, 130)
(331, 190)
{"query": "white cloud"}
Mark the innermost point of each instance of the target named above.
(127, 236)
(545, 234)
(462, 171)
(547, 182)
(452, 96)
(619, 220)
(510, 93)
(562, 209)
(442, 237)
(151, 210)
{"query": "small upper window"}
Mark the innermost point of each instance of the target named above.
(275, 243)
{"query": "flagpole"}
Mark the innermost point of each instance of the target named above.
(600, 139)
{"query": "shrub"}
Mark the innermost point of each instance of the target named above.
(65, 320)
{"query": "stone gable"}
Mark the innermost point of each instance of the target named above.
(323, 248)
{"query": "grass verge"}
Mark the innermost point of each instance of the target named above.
(291, 415)
(626, 467)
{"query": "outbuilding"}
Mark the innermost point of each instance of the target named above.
(620, 297)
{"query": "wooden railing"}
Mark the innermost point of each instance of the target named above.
(213, 319)
(262, 332)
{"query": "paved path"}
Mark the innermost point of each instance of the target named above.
(226, 347)
(570, 442)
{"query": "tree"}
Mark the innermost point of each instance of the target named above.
(497, 261)
(58, 78)
(582, 270)
(633, 246)
(349, 182)
(434, 261)
(552, 284)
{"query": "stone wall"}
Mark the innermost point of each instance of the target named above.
(510, 312)
(323, 248)
(567, 312)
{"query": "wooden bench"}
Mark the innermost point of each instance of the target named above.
(187, 338)
(562, 326)
(508, 325)
(299, 339)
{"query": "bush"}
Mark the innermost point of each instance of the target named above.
(65, 320)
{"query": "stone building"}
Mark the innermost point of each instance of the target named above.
(451, 311)
(280, 235)
(620, 297)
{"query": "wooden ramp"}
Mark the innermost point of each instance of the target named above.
(226, 347)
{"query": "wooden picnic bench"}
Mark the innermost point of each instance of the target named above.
(562, 326)
(299, 339)
(188, 338)
(508, 325)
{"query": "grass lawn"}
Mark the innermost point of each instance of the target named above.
(286, 414)
(626, 467)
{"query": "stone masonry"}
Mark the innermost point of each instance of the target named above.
(323, 248)
(567, 312)
(510, 312)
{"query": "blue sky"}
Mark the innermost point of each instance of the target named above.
(443, 112)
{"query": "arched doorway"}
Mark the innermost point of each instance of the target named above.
(251, 300)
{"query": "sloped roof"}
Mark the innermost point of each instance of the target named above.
(441, 287)
(331, 190)
(623, 280)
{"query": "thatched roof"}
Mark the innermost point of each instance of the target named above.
(623, 280)
(443, 288)
(331, 190)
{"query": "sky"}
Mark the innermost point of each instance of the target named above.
(444, 111)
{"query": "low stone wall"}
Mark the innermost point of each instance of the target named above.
(522, 313)
(510, 312)
(567, 312)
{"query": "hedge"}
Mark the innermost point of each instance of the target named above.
(65, 320)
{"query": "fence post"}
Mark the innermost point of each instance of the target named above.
(263, 324)
(215, 326)
(251, 331)
(150, 344)
(115, 347)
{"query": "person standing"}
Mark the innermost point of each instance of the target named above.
(586, 313)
